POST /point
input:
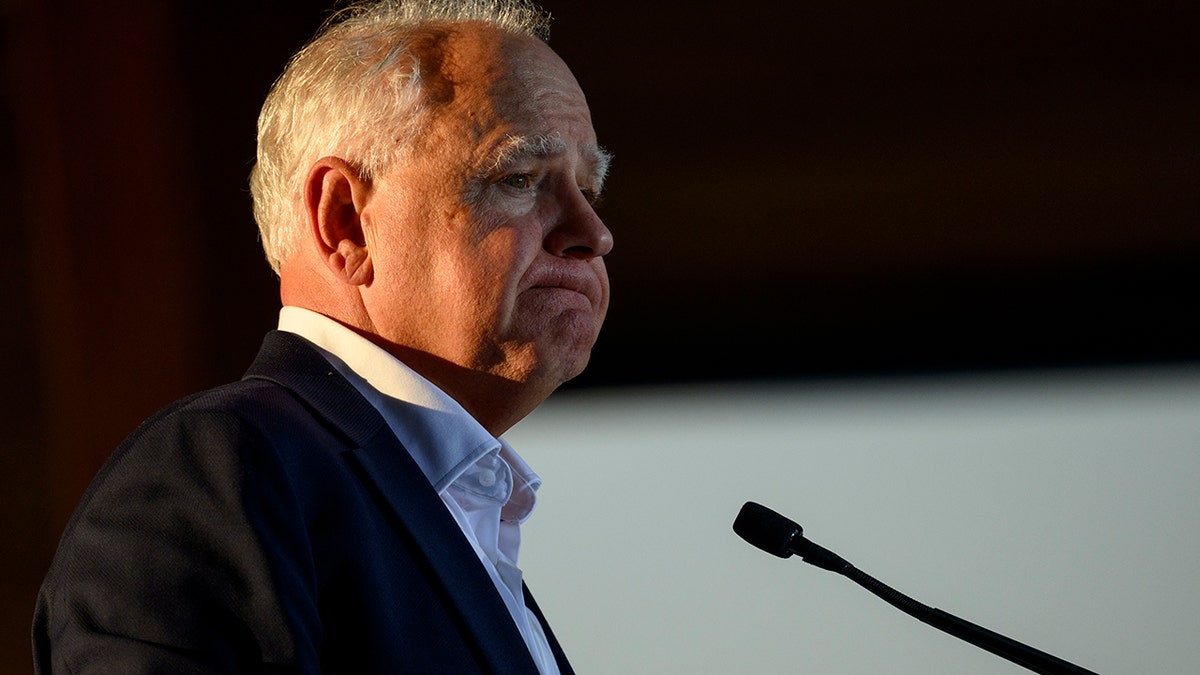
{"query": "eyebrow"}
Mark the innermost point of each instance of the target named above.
(514, 149)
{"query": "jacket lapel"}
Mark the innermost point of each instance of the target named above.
(386, 467)
(564, 667)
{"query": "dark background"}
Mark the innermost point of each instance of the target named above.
(801, 190)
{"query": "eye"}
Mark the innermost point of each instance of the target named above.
(592, 196)
(519, 181)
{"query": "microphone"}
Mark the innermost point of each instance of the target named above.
(780, 536)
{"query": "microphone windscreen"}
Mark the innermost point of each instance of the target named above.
(766, 529)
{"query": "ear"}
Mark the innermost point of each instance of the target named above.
(334, 197)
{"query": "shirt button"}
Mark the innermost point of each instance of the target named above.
(487, 478)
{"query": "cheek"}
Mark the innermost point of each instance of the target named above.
(503, 256)
(481, 282)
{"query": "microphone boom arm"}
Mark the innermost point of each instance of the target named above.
(779, 536)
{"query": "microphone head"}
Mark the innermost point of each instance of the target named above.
(766, 529)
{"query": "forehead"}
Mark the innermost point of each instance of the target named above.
(481, 56)
(494, 84)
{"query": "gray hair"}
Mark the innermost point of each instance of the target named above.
(355, 91)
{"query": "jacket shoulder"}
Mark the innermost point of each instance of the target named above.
(196, 508)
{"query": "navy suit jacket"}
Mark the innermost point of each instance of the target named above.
(272, 525)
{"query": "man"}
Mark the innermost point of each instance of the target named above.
(424, 189)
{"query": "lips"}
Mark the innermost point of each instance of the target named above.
(575, 276)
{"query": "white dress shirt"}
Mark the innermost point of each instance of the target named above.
(486, 486)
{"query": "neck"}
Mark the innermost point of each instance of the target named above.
(497, 403)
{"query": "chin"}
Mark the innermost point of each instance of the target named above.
(557, 350)
(575, 369)
(551, 371)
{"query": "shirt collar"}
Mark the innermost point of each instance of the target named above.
(440, 435)
(525, 486)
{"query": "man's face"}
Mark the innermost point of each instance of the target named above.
(486, 251)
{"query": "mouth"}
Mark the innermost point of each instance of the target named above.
(563, 276)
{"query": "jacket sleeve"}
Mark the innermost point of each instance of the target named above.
(186, 555)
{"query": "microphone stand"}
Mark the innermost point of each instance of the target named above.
(1004, 647)
(762, 527)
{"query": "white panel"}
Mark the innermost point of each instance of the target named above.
(1058, 509)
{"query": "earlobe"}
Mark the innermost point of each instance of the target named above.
(333, 200)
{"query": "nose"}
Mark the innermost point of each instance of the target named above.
(576, 231)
